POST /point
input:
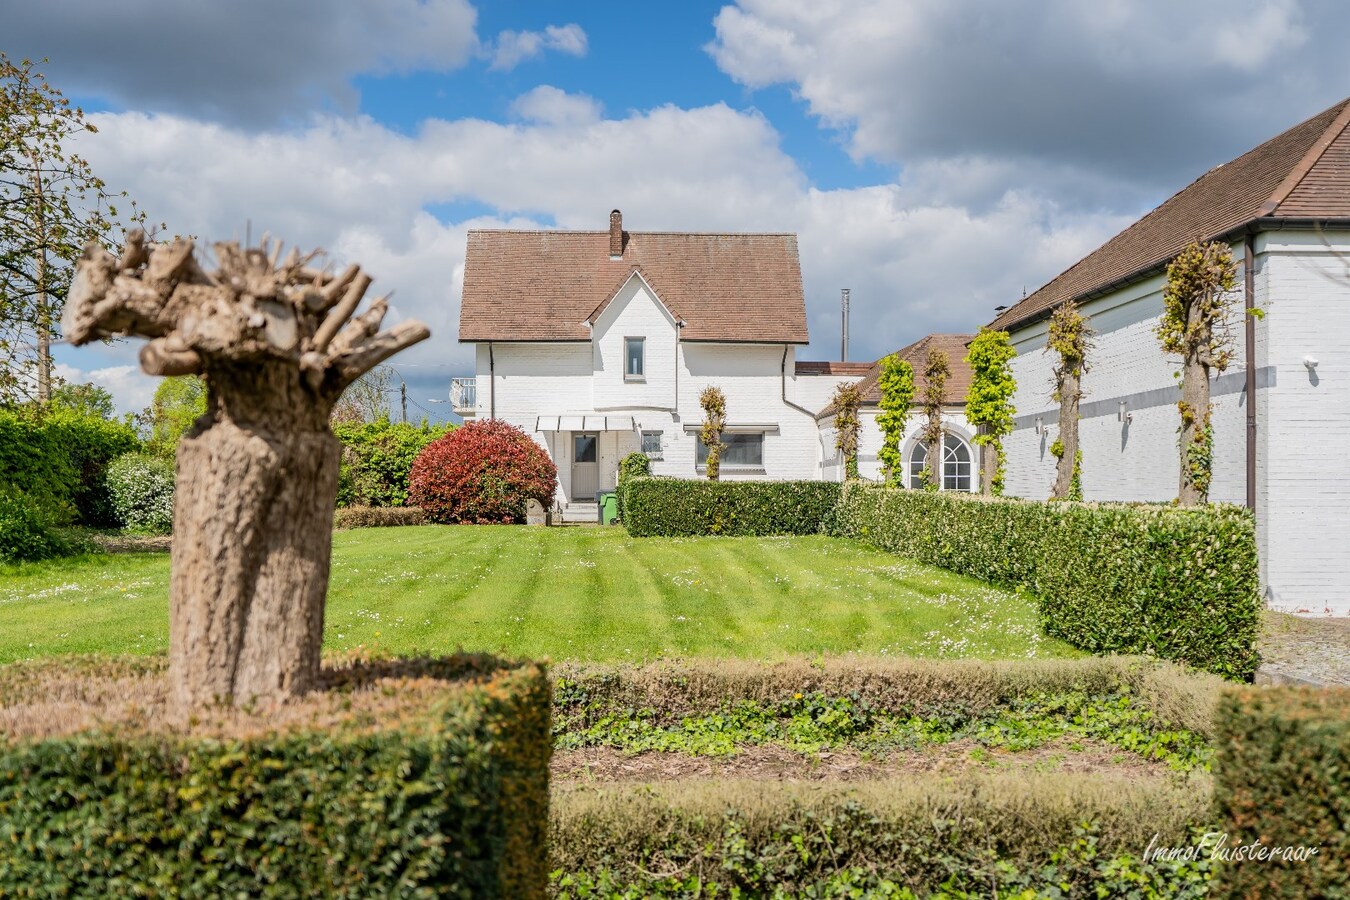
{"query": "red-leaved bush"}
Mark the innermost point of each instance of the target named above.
(481, 473)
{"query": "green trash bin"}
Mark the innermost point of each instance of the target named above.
(609, 507)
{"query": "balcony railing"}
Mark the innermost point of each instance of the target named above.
(464, 396)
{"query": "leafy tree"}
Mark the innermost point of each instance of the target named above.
(377, 458)
(1195, 325)
(86, 399)
(989, 401)
(936, 370)
(179, 401)
(896, 383)
(714, 404)
(51, 205)
(366, 399)
(847, 401)
(1070, 337)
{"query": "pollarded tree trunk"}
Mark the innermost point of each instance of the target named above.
(988, 463)
(1197, 440)
(253, 522)
(1070, 392)
(276, 344)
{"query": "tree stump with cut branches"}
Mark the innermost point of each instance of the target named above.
(277, 342)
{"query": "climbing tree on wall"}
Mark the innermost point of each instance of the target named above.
(847, 401)
(989, 402)
(1071, 338)
(896, 383)
(936, 369)
(1195, 325)
(714, 404)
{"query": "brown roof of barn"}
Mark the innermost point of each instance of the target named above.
(547, 285)
(1303, 173)
(916, 354)
(824, 367)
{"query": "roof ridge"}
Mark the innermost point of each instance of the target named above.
(572, 231)
(1309, 160)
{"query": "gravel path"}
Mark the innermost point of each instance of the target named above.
(1301, 650)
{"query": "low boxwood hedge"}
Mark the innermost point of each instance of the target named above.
(994, 835)
(1182, 584)
(1282, 779)
(672, 507)
(413, 778)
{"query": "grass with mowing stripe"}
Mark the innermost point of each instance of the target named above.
(565, 593)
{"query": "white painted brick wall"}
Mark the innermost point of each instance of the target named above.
(1307, 422)
(1303, 483)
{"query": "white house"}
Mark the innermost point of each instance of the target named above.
(1281, 411)
(960, 463)
(599, 343)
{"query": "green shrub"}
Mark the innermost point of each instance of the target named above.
(1283, 779)
(991, 835)
(674, 690)
(1181, 584)
(670, 507)
(414, 778)
(378, 516)
(26, 530)
(58, 456)
(634, 465)
(141, 487)
(377, 457)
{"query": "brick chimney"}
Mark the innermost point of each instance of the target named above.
(616, 235)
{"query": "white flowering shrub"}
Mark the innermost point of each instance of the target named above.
(141, 487)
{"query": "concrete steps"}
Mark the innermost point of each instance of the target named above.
(581, 512)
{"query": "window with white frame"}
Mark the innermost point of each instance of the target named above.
(651, 444)
(742, 449)
(956, 465)
(634, 359)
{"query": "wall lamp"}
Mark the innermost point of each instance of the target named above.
(1310, 362)
(1040, 425)
(1123, 414)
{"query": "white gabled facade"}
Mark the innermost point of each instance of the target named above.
(563, 393)
(1129, 422)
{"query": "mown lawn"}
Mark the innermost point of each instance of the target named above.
(565, 593)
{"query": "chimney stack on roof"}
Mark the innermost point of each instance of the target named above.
(616, 235)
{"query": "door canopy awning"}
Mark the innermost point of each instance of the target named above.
(584, 422)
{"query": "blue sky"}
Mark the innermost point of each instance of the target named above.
(935, 156)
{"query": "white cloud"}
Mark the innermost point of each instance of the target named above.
(246, 61)
(514, 47)
(550, 106)
(916, 263)
(1131, 98)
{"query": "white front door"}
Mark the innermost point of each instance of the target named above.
(585, 465)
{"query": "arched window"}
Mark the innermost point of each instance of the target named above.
(956, 464)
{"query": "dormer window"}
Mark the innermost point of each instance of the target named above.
(635, 359)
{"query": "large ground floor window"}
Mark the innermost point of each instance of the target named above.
(956, 464)
(742, 449)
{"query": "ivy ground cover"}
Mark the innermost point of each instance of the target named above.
(564, 593)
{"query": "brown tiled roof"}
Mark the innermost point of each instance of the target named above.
(820, 367)
(546, 285)
(1303, 173)
(916, 354)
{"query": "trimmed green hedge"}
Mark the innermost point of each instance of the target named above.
(58, 457)
(1001, 834)
(417, 778)
(670, 507)
(634, 465)
(1181, 584)
(1283, 778)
